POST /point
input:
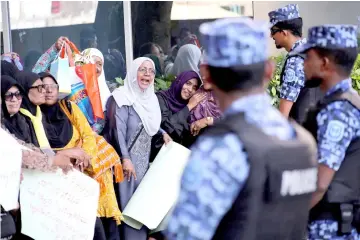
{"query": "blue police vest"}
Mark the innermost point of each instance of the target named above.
(274, 203)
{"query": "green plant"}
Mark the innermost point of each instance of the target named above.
(355, 75)
(163, 83)
(119, 81)
(273, 88)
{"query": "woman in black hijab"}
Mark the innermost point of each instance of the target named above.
(12, 93)
(34, 96)
(13, 96)
(58, 127)
(34, 90)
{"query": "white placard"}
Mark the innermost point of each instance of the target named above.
(159, 189)
(10, 170)
(56, 206)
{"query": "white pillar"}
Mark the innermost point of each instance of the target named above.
(6, 26)
(129, 49)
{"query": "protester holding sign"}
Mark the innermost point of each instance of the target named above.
(14, 156)
(68, 128)
(12, 121)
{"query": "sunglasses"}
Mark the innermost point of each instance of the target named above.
(9, 96)
(38, 87)
(273, 31)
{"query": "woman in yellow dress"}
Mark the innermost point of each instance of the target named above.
(66, 127)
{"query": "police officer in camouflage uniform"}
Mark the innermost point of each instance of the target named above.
(331, 52)
(286, 30)
(251, 176)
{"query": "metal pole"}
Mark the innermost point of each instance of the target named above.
(6, 26)
(129, 49)
(253, 9)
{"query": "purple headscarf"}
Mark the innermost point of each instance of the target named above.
(173, 94)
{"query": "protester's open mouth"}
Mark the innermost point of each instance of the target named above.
(145, 81)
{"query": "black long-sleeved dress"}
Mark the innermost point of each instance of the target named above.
(175, 124)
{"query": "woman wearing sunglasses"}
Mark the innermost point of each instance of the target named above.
(33, 96)
(13, 122)
(12, 95)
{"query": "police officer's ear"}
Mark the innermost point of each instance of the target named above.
(269, 70)
(286, 33)
(326, 63)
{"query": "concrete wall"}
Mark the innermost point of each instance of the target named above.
(313, 13)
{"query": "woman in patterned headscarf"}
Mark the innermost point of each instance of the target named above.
(97, 58)
(93, 55)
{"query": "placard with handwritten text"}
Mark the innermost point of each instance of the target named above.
(56, 206)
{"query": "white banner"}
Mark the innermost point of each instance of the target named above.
(58, 206)
(10, 170)
(159, 189)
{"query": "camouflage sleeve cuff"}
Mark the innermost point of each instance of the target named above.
(289, 93)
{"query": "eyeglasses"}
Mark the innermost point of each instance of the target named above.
(9, 96)
(145, 70)
(38, 87)
(51, 86)
(273, 31)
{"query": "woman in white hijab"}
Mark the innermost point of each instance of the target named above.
(97, 58)
(133, 118)
(187, 59)
(94, 56)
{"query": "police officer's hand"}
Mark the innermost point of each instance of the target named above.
(195, 100)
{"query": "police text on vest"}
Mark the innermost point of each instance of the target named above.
(297, 182)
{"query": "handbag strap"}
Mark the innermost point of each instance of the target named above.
(63, 45)
(135, 139)
(73, 47)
